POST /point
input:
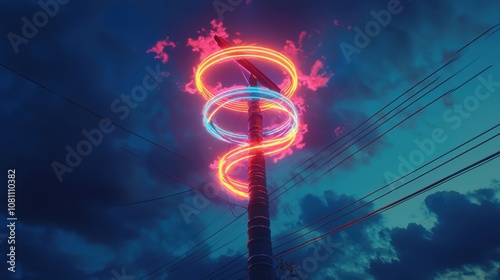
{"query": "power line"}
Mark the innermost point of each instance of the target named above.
(390, 191)
(390, 183)
(202, 256)
(395, 203)
(192, 187)
(416, 112)
(192, 248)
(92, 112)
(380, 136)
(414, 86)
(239, 271)
(189, 239)
(153, 199)
(238, 257)
(457, 56)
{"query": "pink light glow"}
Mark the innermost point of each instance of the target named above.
(206, 45)
(159, 49)
(315, 79)
(338, 130)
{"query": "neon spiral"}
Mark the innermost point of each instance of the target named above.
(275, 139)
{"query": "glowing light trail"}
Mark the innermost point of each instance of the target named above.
(276, 139)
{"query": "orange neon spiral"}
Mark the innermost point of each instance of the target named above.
(276, 139)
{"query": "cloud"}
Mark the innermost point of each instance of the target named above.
(205, 44)
(340, 263)
(466, 234)
(159, 49)
(318, 77)
(315, 79)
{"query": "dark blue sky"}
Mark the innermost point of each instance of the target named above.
(101, 200)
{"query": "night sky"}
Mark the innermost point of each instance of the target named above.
(114, 170)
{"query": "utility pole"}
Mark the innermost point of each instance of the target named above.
(251, 145)
(260, 252)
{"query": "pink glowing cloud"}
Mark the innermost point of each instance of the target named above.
(159, 49)
(291, 49)
(302, 35)
(299, 143)
(205, 44)
(338, 130)
(190, 87)
(317, 78)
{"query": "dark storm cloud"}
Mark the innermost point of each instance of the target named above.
(340, 248)
(314, 207)
(41, 259)
(465, 234)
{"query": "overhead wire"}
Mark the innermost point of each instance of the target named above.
(390, 191)
(393, 204)
(382, 134)
(391, 183)
(192, 187)
(457, 56)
